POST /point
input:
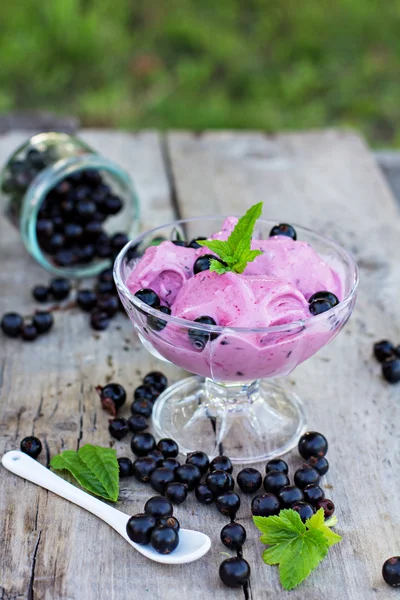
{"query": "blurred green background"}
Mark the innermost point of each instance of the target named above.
(261, 64)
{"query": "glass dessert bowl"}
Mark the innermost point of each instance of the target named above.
(233, 404)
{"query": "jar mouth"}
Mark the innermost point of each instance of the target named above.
(49, 178)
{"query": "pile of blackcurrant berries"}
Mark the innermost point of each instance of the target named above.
(71, 218)
(304, 496)
(156, 526)
(389, 356)
(113, 397)
(101, 301)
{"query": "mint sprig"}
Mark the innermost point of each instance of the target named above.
(236, 252)
(95, 468)
(296, 547)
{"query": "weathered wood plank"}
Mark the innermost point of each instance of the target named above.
(328, 181)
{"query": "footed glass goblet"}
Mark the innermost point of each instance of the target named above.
(233, 404)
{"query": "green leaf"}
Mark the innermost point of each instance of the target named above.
(280, 527)
(218, 267)
(302, 556)
(317, 521)
(236, 250)
(297, 547)
(104, 466)
(95, 469)
(240, 238)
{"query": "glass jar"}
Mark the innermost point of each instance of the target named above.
(33, 172)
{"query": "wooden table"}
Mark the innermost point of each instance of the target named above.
(327, 180)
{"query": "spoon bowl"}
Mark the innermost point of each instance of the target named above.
(192, 544)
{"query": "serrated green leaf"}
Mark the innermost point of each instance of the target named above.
(280, 528)
(217, 267)
(240, 238)
(302, 556)
(95, 469)
(274, 554)
(236, 250)
(219, 247)
(317, 521)
(297, 547)
(104, 466)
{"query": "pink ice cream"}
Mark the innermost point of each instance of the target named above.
(273, 290)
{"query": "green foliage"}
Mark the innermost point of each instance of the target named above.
(296, 547)
(95, 469)
(236, 252)
(261, 64)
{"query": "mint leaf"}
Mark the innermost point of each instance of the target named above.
(104, 465)
(236, 251)
(218, 267)
(298, 548)
(95, 469)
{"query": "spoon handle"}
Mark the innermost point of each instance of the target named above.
(23, 465)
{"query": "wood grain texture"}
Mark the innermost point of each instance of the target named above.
(327, 181)
(52, 550)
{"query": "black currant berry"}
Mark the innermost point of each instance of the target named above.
(137, 423)
(31, 446)
(203, 494)
(188, 474)
(233, 536)
(118, 428)
(164, 539)
(327, 506)
(112, 397)
(11, 324)
(384, 350)
(157, 380)
(228, 504)
(319, 463)
(277, 464)
(284, 229)
(221, 463)
(305, 510)
(148, 297)
(275, 481)
(307, 475)
(313, 494)
(143, 468)
(176, 492)
(290, 495)
(158, 507)
(125, 467)
(160, 478)
(142, 443)
(218, 482)
(312, 443)
(249, 480)
(139, 528)
(200, 459)
(168, 447)
(391, 370)
(234, 572)
(265, 505)
(391, 571)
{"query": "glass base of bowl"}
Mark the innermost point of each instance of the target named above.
(248, 422)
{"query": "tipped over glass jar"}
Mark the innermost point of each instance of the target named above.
(75, 209)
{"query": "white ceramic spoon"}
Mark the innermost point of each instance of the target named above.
(192, 544)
